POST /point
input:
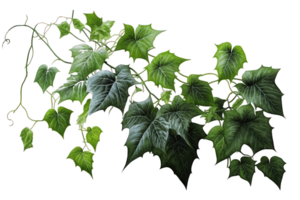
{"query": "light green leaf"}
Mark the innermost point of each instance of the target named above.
(237, 104)
(78, 25)
(83, 117)
(27, 137)
(88, 61)
(83, 159)
(99, 30)
(137, 89)
(63, 29)
(93, 135)
(211, 113)
(165, 96)
(80, 48)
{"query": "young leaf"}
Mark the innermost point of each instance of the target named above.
(165, 96)
(64, 28)
(219, 111)
(137, 89)
(237, 104)
(244, 168)
(77, 24)
(76, 50)
(27, 138)
(83, 159)
(82, 118)
(93, 135)
(211, 113)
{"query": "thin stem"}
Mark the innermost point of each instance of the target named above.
(209, 74)
(33, 125)
(180, 80)
(238, 79)
(28, 115)
(229, 85)
(77, 37)
(142, 72)
(84, 141)
(182, 75)
(246, 154)
(212, 81)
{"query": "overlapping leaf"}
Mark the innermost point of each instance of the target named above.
(58, 121)
(216, 135)
(237, 104)
(230, 61)
(109, 89)
(138, 42)
(99, 30)
(179, 156)
(162, 69)
(146, 130)
(260, 89)
(197, 92)
(179, 115)
(45, 77)
(83, 159)
(214, 112)
(74, 89)
(165, 96)
(242, 126)
(76, 50)
(82, 117)
(27, 137)
(89, 61)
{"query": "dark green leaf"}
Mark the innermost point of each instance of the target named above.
(220, 109)
(82, 118)
(165, 96)
(237, 104)
(244, 168)
(77, 24)
(93, 135)
(64, 28)
(45, 77)
(27, 137)
(76, 50)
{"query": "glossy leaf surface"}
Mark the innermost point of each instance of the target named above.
(93, 135)
(74, 89)
(83, 159)
(89, 61)
(58, 121)
(197, 92)
(230, 61)
(109, 89)
(162, 69)
(260, 89)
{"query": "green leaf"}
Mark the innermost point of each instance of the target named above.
(101, 31)
(76, 50)
(237, 103)
(215, 136)
(82, 118)
(212, 114)
(74, 89)
(77, 24)
(45, 77)
(260, 89)
(242, 126)
(109, 89)
(244, 168)
(93, 135)
(197, 92)
(230, 61)
(162, 69)
(64, 28)
(179, 115)
(272, 169)
(220, 106)
(83, 159)
(146, 130)
(165, 96)
(179, 156)
(58, 121)
(138, 43)
(27, 137)
(134, 92)
(89, 61)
